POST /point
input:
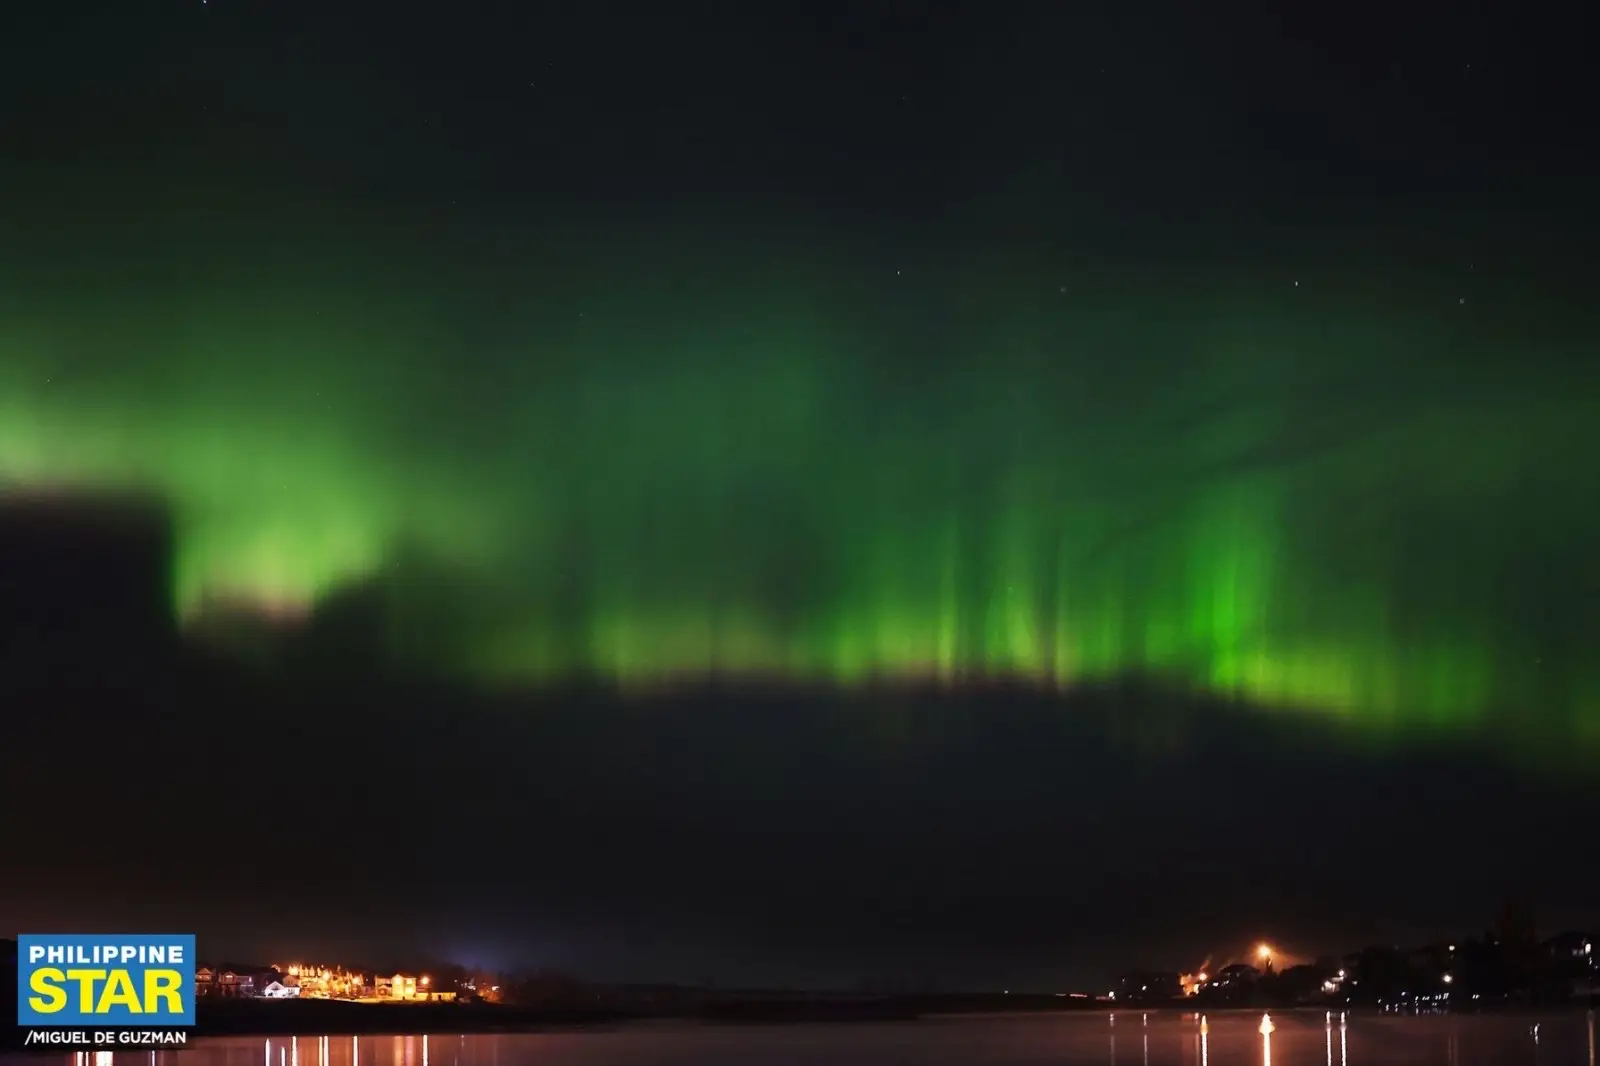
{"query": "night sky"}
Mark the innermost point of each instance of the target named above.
(797, 493)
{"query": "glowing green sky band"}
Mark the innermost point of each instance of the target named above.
(737, 464)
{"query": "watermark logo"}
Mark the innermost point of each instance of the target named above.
(129, 988)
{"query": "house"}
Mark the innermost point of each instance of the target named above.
(311, 980)
(224, 981)
(1567, 946)
(1239, 973)
(279, 990)
(345, 984)
(324, 982)
(236, 982)
(405, 986)
(232, 983)
(395, 986)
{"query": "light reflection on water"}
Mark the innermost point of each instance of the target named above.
(1165, 1038)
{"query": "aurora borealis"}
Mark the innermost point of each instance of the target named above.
(826, 496)
(657, 453)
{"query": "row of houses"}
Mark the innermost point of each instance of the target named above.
(295, 981)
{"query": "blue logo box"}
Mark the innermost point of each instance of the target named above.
(106, 980)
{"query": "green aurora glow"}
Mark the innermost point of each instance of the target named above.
(644, 463)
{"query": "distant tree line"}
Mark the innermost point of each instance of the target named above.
(1474, 973)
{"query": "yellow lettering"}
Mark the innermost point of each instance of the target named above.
(86, 981)
(47, 982)
(162, 992)
(119, 993)
(163, 985)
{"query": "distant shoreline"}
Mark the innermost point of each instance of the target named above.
(262, 1018)
(354, 1020)
(259, 1017)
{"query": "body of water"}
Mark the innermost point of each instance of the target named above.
(1123, 1038)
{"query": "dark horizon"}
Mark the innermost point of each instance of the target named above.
(798, 496)
(1131, 829)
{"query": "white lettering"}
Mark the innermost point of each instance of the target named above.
(106, 954)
